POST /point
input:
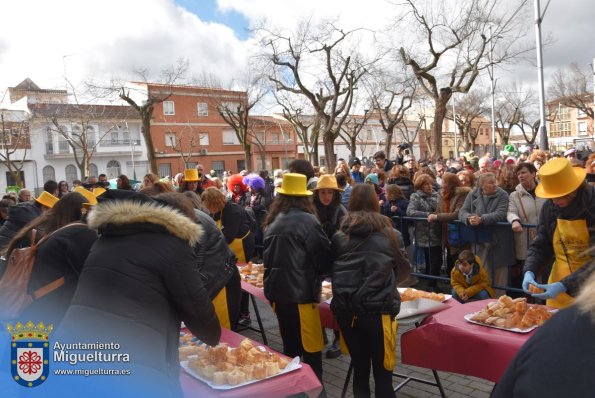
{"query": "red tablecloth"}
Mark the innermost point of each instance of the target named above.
(446, 341)
(326, 316)
(301, 380)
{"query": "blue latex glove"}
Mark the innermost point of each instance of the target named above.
(551, 290)
(529, 278)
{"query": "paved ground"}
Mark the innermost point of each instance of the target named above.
(335, 370)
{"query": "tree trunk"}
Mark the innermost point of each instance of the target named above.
(248, 156)
(353, 147)
(146, 131)
(263, 160)
(439, 115)
(314, 158)
(329, 153)
(389, 142)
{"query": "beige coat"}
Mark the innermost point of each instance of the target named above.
(532, 208)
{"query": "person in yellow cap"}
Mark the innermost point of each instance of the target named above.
(191, 182)
(330, 212)
(296, 256)
(565, 233)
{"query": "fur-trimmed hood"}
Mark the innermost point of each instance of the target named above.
(132, 212)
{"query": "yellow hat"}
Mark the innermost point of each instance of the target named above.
(558, 178)
(98, 191)
(191, 175)
(47, 199)
(327, 181)
(294, 184)
(91, 198)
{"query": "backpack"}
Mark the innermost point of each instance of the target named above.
(14, 297)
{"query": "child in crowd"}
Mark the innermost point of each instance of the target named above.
(469, 280)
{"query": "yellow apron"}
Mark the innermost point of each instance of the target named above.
(389, 330)
(571, 242)
(389, 333)
(221, 310)
(311, 327)
(236, 245)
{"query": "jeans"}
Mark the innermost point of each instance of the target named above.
(482, 295)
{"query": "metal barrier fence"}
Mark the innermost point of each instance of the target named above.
(478, 239)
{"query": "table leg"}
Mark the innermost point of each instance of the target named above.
(264, 336)
(431, 383)
(347, 378)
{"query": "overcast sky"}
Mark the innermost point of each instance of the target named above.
(48, 39)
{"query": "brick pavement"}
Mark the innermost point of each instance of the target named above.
(335, 370)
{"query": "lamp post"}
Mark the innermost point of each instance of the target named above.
(543, 144)
(454, 126)
(493, 90)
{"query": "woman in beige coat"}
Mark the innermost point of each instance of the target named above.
(524, 208)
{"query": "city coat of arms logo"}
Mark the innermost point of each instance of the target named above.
(29, 353)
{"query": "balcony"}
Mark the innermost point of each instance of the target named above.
(106, 143)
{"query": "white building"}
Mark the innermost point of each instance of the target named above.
(57, 129)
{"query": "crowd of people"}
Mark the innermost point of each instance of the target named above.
(116, 264)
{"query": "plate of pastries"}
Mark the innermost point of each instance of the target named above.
(224, 367)
(514, 315)
(253, 274)
(409, 294)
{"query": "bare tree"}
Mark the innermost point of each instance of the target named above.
(571, 87)
(14, 142)
(316, 62)
(177, 143)
(458, 41)
(351, 129)
(82, 126)
(468, 110)
(235, 104)
(144, 105)
(392, 95)
(295, 111)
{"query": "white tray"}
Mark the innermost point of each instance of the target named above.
(515, 330)
(402, 290)
(291, 366)
(420, 307)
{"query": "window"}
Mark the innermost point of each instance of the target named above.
(10, 180)
(274, 138)
(62, 141)
(165, 170)
(582, 128)
(115, 137)
(218, 166)
(49, 141)
(126, 137)
(6, 138)
(230, 137)
(91, 137)
(170, 139)
(260, 138)
(241, 164)
(49, 173)
(204, 139)
(93, 170)
(168, 108)
(70, 173)
(191, 165)
(113, 169)
(202, 109)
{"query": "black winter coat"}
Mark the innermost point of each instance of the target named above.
(18, 216)
(236, 225)
(61, 255)
(212, 254)
(555, 362)
(296, 255)
(541, 250)
(138, 283)
(365, 273)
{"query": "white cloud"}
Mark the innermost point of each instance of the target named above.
(109, 38)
